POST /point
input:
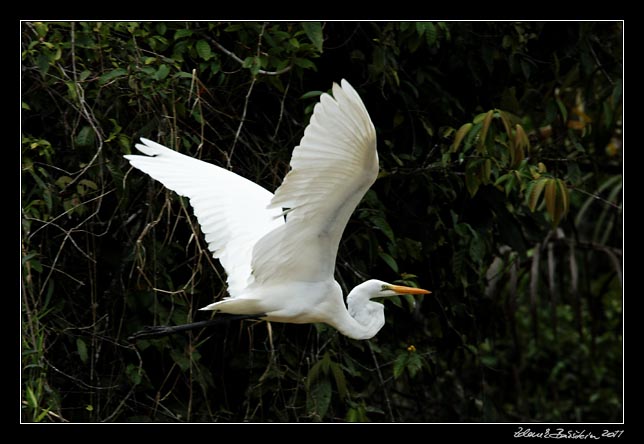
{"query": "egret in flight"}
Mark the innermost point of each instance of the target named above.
(279, 249)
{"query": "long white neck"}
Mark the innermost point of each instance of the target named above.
(364, 318)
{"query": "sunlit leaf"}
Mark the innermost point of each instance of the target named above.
(31, 398)
(460, 134)
(487, 120)
(550, 196)
(534, 192)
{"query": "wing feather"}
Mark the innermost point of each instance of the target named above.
(231, 210)
(331, 169)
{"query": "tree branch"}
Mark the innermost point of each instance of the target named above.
(241, 62)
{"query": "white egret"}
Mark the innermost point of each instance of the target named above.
(279, 250)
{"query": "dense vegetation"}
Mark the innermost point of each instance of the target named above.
(500, 190)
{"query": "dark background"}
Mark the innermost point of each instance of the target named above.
(514, 223)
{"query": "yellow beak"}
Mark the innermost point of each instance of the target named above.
(408, 290)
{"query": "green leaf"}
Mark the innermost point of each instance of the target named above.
(383, 226)
(550, 195)
(521, 143)
(132, 372)
(486, 171)
(63, 181)
(562, 110)
(42, 415)
(477, 249)
(71, 90)
(85, 136)
(311, 94)
(81, 347)
(183, 75)
(85, 184)
(340, 380)
(180, 359)
(41, 29)
(203, 49)
(43, 63)
(181, 33)
(109, 76)
(430, 34)
(414, 363)
(557, 200)
(313, 31)
(35, 264)
(472, 135)
(313, 373)
(484, 129)
(400, 363)
(534, 192)
(304, 63)
(357, 414)
(252, 63)
(472, 180)
(460, 134)
(389, 260)
(319, 398)
(565, 198)
(162, 72)
(509, 180)
(32, 400)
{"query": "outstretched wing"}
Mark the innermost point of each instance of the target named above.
(332, 168)
(231, 210)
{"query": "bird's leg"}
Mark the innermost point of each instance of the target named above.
(164, 330)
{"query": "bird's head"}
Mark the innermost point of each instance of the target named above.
(374, 288)
(396, 290)
(368, 314)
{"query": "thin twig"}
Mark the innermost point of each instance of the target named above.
(600, 65)
(597, 197)
(241, 62)
(279, 119)
(63, 213)
(382, 383)
(85, 110)
(241, 124)
(130, 392)
(243, 117)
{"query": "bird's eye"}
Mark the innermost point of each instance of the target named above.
(384, 288)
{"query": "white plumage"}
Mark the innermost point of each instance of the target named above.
(283, 271)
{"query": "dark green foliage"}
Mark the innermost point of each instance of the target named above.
(500, 191)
